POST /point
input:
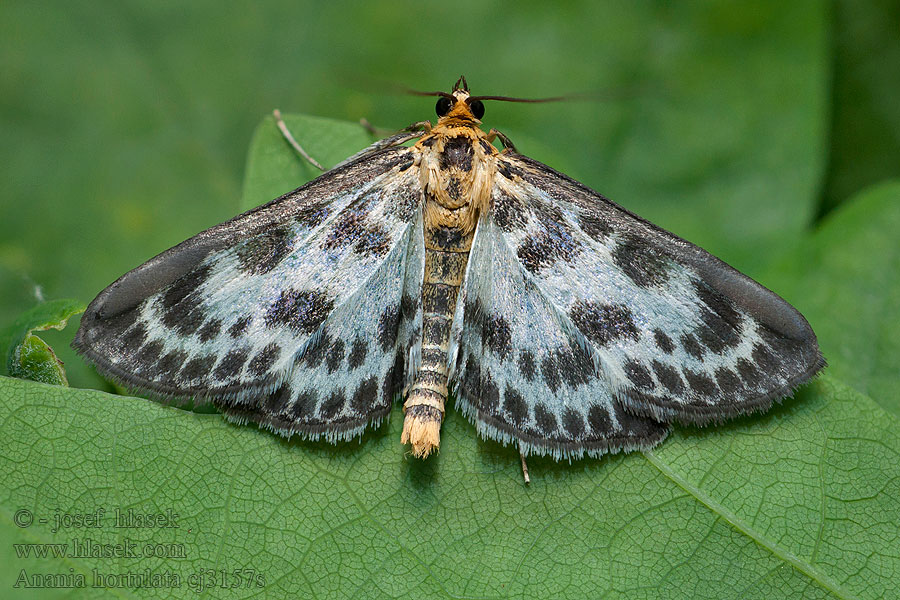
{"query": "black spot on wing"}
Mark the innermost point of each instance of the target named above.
(497, 336)
(596, 227)
(315, 352)
(551, 243)
(134, 338)
(240, 326)
(544, 419)
(148, 355)
(182, 308)
(353, 227)
(604, 323)
(748, 372)
(313, 214)
(365, 397)
(598, 419)
(392, 383)
(333, 405)
(170, 364)
(515, 406)
(231, 365)
(304, 406)
(728, 381)
(457, 153)
(573, 423)
(264, 360)
(278, 401)
(358, 351)
(509, 212)
(717, 303)
(489, 399)
(663, 341)
(301, 310)
(210, 329)
(471, 379)
(668, 376)
(550, 373)
(717, 333)
(374, 240)
(262, 253)
(347, 228)
(639, 374)
(197, 368)
(642, 263)
(186, 285)
(764, 358)
(526, 364)
(701, 383)
(388, 327)
(575, 364)
(691, 345)
(335, 355)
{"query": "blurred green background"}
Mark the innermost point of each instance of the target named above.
(126, 125)
(767, 132)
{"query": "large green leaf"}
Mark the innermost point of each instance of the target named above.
(799, 502)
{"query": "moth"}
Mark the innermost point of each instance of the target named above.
(562, 322)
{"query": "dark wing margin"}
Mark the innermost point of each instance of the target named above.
(226, 313)
(677, 334)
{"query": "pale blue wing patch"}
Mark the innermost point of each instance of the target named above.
(678, 334)
(356, 362)
(523, 372)
(226, 314)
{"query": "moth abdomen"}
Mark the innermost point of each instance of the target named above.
(446, 256)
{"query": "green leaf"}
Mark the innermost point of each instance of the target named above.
(29, 357)
(801, 501)
(274, 168)
(845, 278)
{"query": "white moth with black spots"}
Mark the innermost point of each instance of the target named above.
(563, 323)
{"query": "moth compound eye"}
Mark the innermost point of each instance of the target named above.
(443, 106)
(477, 107)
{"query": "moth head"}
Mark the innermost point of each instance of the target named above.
(458, 104)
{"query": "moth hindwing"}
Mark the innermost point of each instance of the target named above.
(562, 322)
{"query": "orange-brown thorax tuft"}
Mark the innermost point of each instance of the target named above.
(457, 168)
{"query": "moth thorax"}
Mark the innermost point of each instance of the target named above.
(422, 423)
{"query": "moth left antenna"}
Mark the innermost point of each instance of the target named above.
(286, 133)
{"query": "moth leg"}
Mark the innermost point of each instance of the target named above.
(524, 468)
(290, 140)
(507, 143)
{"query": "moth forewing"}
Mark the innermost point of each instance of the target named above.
(564, 323)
